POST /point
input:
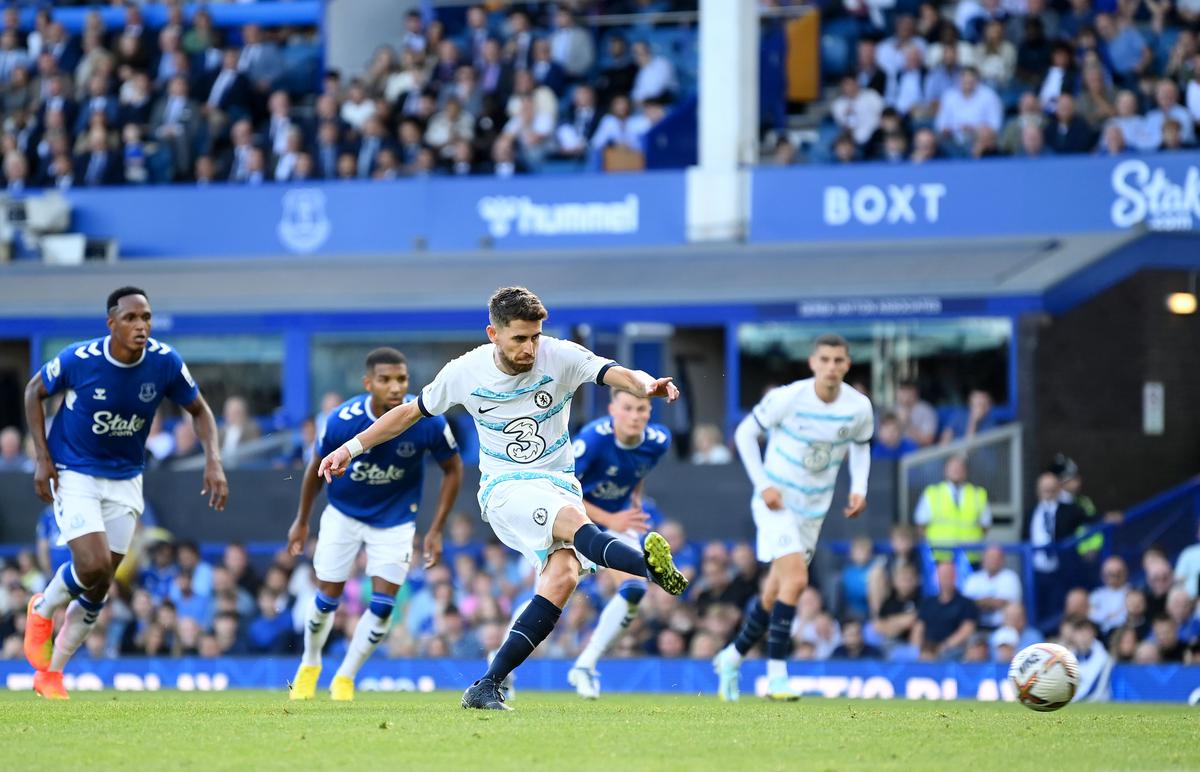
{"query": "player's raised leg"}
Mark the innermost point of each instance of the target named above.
(616, 616)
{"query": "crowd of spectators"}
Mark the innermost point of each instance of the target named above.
(485, 92)
(1025, 78)
(892, 604)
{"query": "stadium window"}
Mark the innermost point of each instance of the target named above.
(947, 357)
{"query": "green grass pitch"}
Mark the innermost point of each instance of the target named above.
(262, 730)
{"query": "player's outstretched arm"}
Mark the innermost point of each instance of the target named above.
(641, 382)
(391, 424)
(310, 486)
(45, 475)
(215, 485)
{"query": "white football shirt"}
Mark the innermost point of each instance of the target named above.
(522, 419)
(807, 440)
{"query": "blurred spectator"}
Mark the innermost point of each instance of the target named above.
(240, 572)
(954, 511)
(619, 71)
(717, 583)
(966, 107)
(620, 126)
(1067, 133)
(579, 123)
(1159, 580)
(1181, 608)
(1136, 617)
(1029, 116)
(1187, 567)
(461, 541)
(995, 56)
(857, 110)
(708, 445)
(237, 427)
(946, 621)
(11, 457)
(1166, 639)
(1095, 664)
(1016, 627)
(853, 646)
(889, 442)
(1049, 521)
(897, 615)
(655, 76)
(979, 416)
(1166, 99)
(918, 419)
(50, 554)
(687, 557)
(1004, 645)
(993, 587)
(571, 45)
(1107, 602)
(159, 575)
(854, 579)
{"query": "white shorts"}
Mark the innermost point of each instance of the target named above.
(522, 512)
(783, 532)
(84, 504)
(389, 550)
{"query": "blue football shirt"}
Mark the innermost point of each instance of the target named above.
(382, 487)
(608, 472)
(108, 405)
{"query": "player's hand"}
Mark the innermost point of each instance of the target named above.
(297, 538)
(772, 498)
(45, 479)
(433, 548)
(633, 519)
(663, 387)
(215, 485)
(335, 464)
(858, 503)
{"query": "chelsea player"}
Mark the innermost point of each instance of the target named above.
(90, 466)
(374, 505)
(613, 455)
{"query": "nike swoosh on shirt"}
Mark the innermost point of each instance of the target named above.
(490, 409)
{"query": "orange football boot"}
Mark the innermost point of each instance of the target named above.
(39, 635)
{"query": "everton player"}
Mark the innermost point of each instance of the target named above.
(374, 506)
(90, 467)
(613, 455)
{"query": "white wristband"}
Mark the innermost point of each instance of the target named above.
(354, 446)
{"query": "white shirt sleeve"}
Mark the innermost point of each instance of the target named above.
(574, 364)
(442, 393)
(746, 438)
(1008, 586)
(773, 408)
(923, 514)
(985, 517)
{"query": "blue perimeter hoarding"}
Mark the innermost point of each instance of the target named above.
(993, 197)
(869, 680)
(373, 217)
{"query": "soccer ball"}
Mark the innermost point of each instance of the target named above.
(1045, 676)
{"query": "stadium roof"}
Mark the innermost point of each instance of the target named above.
(692, 275)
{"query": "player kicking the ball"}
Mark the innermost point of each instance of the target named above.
(517, 389)
(613, 455)
(811, 426)
(375, 506)
(90, 467)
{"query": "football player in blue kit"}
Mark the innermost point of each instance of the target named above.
(90, 467)
(374, 505)
(613, 455)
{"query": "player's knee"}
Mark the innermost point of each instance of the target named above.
(561, 576)
(93, 573)
(632, 590)
(569, 520)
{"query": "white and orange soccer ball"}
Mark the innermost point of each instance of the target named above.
(1045, 676)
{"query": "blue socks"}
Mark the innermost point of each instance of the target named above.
(753, 628)
(779, 633)
(632, 590)
(604, 549)
(382, 605)
(325, 604)
(530, 629)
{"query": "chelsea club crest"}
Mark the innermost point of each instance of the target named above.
(542, 399)
(148, 392)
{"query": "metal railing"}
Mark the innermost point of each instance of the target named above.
(994, 461)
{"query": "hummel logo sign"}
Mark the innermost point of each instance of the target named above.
(100, 394)
(488, 410)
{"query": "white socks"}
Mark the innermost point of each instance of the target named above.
(56, 595)
(731, 654)
(77, 624)
(615, 617)
(370, 630)
(316, 632)
(776, 668)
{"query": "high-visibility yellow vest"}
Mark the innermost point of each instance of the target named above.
(951, 524)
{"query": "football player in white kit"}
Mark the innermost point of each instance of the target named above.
(518, 389)
(811, 426)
